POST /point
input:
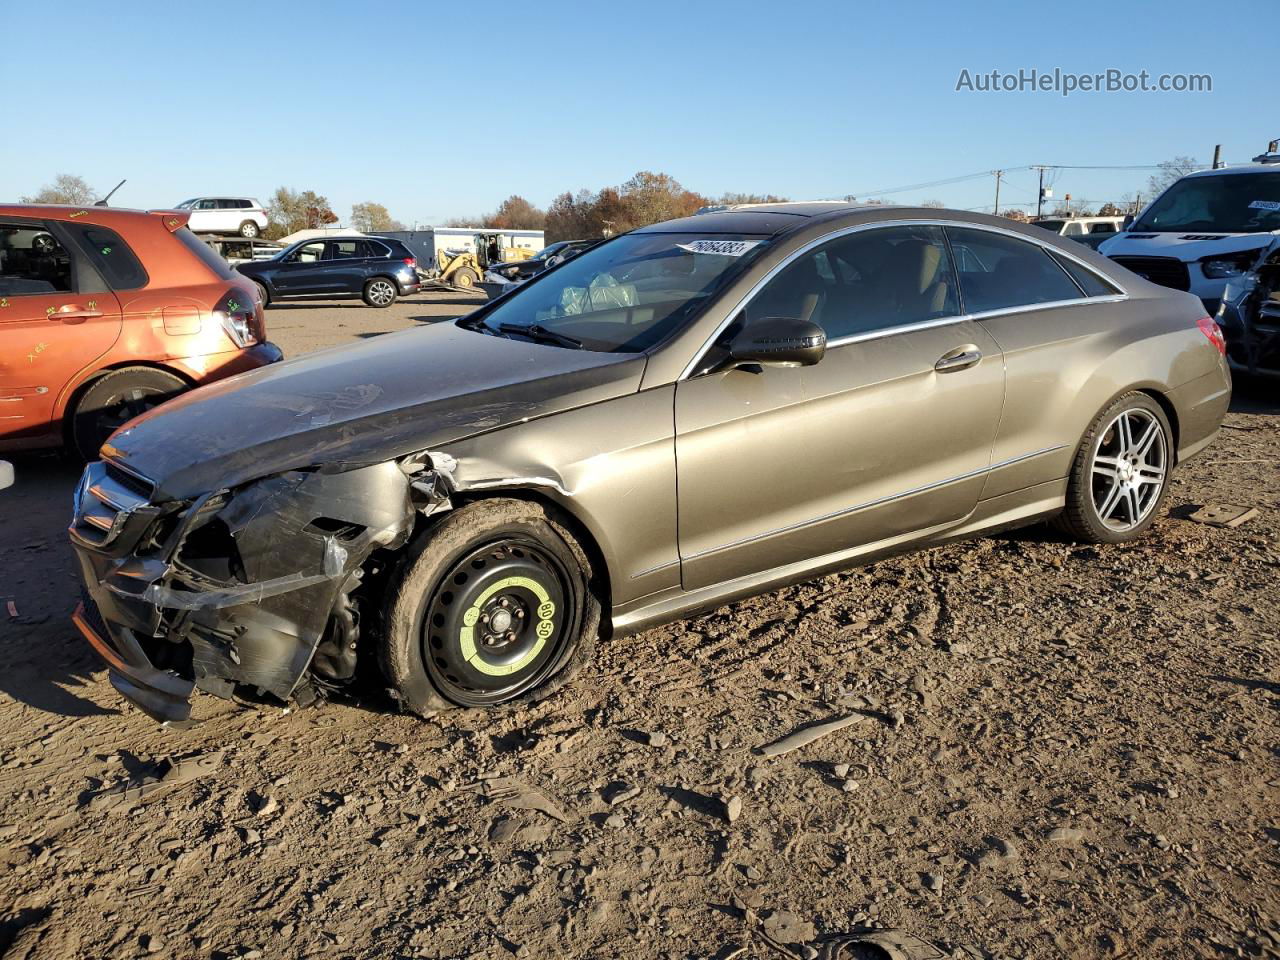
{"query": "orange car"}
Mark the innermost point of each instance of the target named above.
(105, 313)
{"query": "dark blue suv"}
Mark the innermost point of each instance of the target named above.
(378, 269)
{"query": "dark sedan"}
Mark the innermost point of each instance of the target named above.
(548, 257)
(377, 269)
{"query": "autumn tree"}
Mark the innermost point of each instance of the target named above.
(370, 217)
(291, 211)
(65, 188)
(1018, 215)
(516, 213)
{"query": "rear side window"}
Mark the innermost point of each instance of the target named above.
(370, 248)
(208, 256)
(998, 272)
(1092, 284)
(111, 255)
(32, 262)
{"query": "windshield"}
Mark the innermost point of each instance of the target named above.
(630, 293)
(184, 205)
(550, 251)
(1231, 203)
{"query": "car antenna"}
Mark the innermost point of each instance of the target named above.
(103, 201)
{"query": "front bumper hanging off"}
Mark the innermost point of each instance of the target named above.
(233, 589)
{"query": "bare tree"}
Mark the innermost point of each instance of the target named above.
(66, 188)
(1172, 170)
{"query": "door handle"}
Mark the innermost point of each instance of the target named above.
(75, 314)
(961, 358)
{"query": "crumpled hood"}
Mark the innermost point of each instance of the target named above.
(389, 396)
(1183, 245)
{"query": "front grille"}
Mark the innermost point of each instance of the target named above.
(105, 500)
(1165, 271)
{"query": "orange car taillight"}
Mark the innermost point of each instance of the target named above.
(237, 312)
(1214, 332)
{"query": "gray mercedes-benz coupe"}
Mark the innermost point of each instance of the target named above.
(684, 415)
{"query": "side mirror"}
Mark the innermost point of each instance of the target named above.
(780, 341)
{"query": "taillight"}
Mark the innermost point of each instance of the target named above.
(237, 312)
(1214, 332)
(411, 262)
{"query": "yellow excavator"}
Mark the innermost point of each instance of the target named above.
(462, 269)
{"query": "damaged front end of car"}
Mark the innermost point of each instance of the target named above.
(1249, 316)
(252, 591)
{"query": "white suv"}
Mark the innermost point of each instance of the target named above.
(240, 215)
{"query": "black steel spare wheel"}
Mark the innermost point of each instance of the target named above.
(498, 622)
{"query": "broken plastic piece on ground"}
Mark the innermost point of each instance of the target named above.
(519, 795)
(806, 735)
(1223, 514)
(877, 945)
(163, 775)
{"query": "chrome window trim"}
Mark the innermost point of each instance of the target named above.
(880, 501)
(750, 295)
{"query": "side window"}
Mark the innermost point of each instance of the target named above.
(1092, 284)
(111, 255)
(998, 271)
(1103, 228)
(310, 252)
(32, 262)
(243, 204)
(870, 280)
(342, 250)
(207, 205)
(368, 248)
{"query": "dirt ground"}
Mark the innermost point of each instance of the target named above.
(1060, 751)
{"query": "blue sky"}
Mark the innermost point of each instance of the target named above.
(804, 99)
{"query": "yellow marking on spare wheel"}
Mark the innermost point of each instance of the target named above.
(546, 626)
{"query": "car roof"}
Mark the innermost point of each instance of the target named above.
(767, 218)
(1229, 171)
(71, 211)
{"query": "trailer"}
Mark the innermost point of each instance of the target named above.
(455, 258)
(428, 241)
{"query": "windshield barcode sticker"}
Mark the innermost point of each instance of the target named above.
(724, 248)
(1265, 205)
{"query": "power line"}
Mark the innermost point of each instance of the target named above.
(988, 173)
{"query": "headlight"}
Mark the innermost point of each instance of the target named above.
(1221, 269)
(1233, 265)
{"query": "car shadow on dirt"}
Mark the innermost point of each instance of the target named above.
(46, 660)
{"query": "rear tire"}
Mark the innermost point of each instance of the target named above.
(466, 278)
(380, 292)
(1120, 475)
(113, 400)
(249, 230)
(493, 606)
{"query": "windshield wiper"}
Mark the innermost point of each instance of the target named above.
(538, 333)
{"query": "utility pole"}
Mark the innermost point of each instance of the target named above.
(1217, 157)
(999, 174)
(1040, 196)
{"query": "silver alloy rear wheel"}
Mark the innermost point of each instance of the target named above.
(1129, 467)
(379, 293)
